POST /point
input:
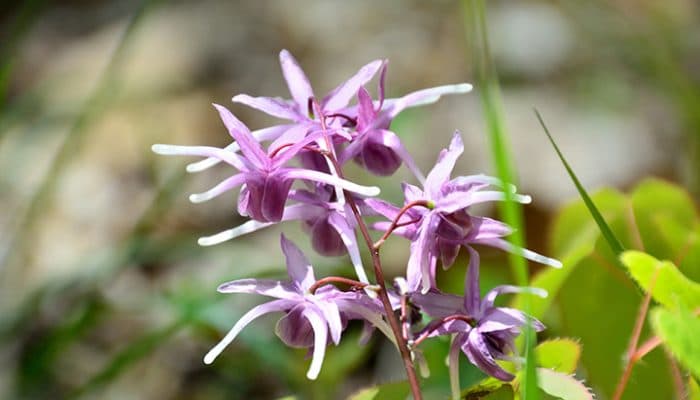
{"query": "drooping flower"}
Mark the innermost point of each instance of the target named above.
(483, 332)
(330, 225)
(311, 318)
(265, 178)
(442, 225)
(376, 147)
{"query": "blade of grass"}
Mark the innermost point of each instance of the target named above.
(609, 236)
(511, 211)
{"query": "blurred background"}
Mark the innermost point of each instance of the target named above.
(104, 292)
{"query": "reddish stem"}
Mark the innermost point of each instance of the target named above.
(395, 222)
(336, 279)
(449, 318)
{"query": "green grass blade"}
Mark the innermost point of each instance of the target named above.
(512, 213)
(609, 236)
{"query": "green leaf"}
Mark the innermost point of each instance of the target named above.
(666, 283)
(573, 237)
(693, 389)
(562, 385)
(482, 388)
(612, 240)
(560, 354)
(387, 391)
(598, 304)
(679, 332)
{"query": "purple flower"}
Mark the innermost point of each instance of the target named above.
(265, 179)
(330, 224)
(374, 146)
(445, 225)
(483, 332)
(310, 318)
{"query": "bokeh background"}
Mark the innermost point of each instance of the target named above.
(103, 290)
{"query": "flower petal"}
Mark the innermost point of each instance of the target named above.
(255, 312)
(419, 273)
(347, 235)
(265, 287)
(442, 170)
(331, 314)
(250, 148)
(478, 353)
(391, 141)
(472, 294)
(232, 159)
(341, 95)
(490, 296)
(298, 83)
(298, 266)
(273, 106)
(503, 318)
(243, 229)
(438, 305)
(509, 247)
(320, 338)
(315, 176)
(223, 187)
(423, 97)
(293, 329)
(260, 135)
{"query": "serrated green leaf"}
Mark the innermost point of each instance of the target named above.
(679, 332)
(561, 354)
(387, 391)
(562, 385)
(670, 287)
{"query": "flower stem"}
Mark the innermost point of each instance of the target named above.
(377, 264)
(395, 223)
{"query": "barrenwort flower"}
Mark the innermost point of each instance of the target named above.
(309, 316)
(440, 229)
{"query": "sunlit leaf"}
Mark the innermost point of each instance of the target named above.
(559, 354)
(562, 385)
(679, 332)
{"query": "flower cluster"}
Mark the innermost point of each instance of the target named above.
(293, 171)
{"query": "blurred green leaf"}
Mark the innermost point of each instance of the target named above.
(679, 332)
(666, 283)
(562, 385)
(573, 238)
(560, 354)
(387, 391)
(693, 389)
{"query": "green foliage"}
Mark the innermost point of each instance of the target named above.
(679, 332)
(387, 391)
(560, 354)
(662, 279)
(597, 301)
(562, 385)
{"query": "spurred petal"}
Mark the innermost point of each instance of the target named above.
(503, 318)
(419, 272)
(391, 141)
(423, 97)
(487, 228)
(243, 229)
(223, 187)
(490, 296)
(472, 295)
(232, 159)
(412, 192)
(365, 111)
(315, 176)
(265, 287)
(320, 337)
(250, 148)
(255, 312)
(331, 314)
(509, 247)
(347, 235)
(294, 329)
(341, 95)
(478, 353)
(456, 200)
(438, 305)
(442, 170)
(298, 266)
(260, 135)
(270, 105)
(298, 83)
